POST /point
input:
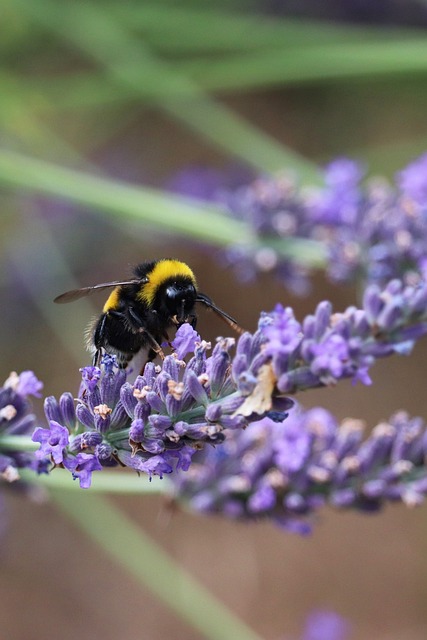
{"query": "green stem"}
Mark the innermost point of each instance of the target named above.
(17, 443)
(101, 37)
(134, 551)
(102, 482)
(119, 199)
(308, 64)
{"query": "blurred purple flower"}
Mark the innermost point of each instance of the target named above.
(373, 232)
(16, 419)
(198, 182)
(325, 625)
(412, 180)
(28, 384)
(287, 471)
(208, 183)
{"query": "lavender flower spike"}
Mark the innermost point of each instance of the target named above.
(16, 419)
(286, 471)
(154, 425)
(286, 356)
(370, 231)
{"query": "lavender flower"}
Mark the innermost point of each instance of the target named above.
(286, 471)
(53, 441)
(286, 356)
(373, 232)
(413, 182)
(325, 625)
(154, 425)
(16, 419)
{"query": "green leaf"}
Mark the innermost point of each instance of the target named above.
(122, 200)
(100, 37)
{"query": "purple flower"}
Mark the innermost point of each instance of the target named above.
(325, 625)
(203, 183)
(284, 334)
(206, 183)
(287, 471)
(327, 346)
(82, 467)
(90, 377)
(155, 424)
(343, 173)
(185, 340)
(53, 441)
(28, 384)
(293, 448)
(413, 180)
(329, 357)
(16, 419)
(369, 232)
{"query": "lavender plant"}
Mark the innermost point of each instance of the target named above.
(153, 425)
(286, 470)
(373, 231)
(17, 420)
(255, 452)
(264, 462)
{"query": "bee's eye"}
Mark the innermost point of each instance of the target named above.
(172, 292)
(177, 290)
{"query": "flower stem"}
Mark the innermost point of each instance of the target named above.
(147, 562)
(17, 443)
(107, 481)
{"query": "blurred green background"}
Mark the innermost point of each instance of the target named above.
(103, 108)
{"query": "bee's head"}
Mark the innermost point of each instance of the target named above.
(180, 299)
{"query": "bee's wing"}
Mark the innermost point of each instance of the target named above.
(76, 294)
(204, 299)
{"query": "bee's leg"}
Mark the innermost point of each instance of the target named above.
(96, 360)
(99, 340)
(153, 344)
(167, 339)
(155, 348)
(152, 353)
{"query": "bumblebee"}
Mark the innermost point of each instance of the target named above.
(139, 312)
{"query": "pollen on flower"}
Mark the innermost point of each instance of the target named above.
(102, 410)
(8, 412)
(319, 475)
(401, 467)
(140, 394)
(412, 498)
(12, 381)
(181, 363)
(10, 474)
(351, 464)
(203, 378)
(175, 389)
